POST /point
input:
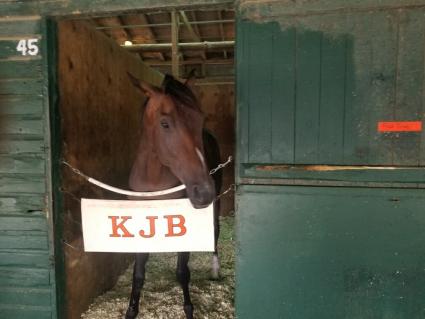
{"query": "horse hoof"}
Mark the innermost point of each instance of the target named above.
(188, 311)
(131, 313)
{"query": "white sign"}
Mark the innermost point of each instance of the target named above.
(146, 226)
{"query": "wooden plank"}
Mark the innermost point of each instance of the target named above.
(25, 183)
(260, 70)
(20, 69)
(25, 296)
(332, 96)
(8, 223)
(25, 312)
(22, 164)
(382, 88)
(308, 97)
(20, 27)
(410, 81)
(242, 91)
(76, 7)
(23, 240)
(8, 49)
(24, 277)
(263, 9)
(344, 234)
(19, 125)
(25, 205)
(22, 86)
(13, 145)
(24, 258)
(358, 79)
(283, 95)
(21, 105)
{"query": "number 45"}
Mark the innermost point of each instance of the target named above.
(28, 46)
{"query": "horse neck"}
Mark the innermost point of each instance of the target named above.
(147, 173)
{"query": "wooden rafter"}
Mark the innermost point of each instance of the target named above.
(144, 34)
(174, 44)
(220, 17)
(193, 34)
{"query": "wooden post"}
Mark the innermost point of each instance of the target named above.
(174, 44)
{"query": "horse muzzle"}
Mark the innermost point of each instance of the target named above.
(201, 195)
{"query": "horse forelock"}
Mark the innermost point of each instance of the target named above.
(180, 92)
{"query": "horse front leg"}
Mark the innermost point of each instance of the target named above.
(183, 277)
(137, 285)
(215, 265)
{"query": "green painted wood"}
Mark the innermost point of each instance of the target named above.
(78, 7)
(242, 99)
(30, 106)
(23, 183)
(10, 144)
(332, 96)
(25, 312)
(22, 164)
(22, 26)
(410, 73)
(20, 69)
(283, 95)
(23, 86)
(24, 277)
(20, 125)
(346, 82)
(23, 240)
(308, 97)
(336, 253)
(8, 49)
(260, 51)
(24, 258)
(25, 296)
(37, 223)
(271, 8)
(382, 94)
(19, 204)
(402, 174)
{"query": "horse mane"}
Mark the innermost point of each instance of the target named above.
(180, 92)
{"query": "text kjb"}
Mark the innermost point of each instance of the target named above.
(175, 226)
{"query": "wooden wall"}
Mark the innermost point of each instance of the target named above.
(100, 114)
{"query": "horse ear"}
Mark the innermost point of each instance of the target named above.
(190, 80)
(146, 88)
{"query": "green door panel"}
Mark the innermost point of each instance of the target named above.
(319, 252)
(313, 88)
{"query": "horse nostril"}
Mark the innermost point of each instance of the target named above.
(196, 192)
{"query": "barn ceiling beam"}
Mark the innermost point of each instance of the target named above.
(175, 44)
(160, 47)
(220, 17)
(191, 62)
(166, 24)
(192, 32)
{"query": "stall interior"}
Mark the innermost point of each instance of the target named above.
(100, 114)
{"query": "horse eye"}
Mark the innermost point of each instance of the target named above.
(165, 124)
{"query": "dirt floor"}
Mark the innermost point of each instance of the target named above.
(162, 297)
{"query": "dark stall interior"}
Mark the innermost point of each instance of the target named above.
(100, 114)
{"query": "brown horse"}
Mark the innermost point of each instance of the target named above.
(170, 153)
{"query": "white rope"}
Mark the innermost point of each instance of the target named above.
(123, 191)
(138, 194)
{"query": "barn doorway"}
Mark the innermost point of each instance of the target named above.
(99, 123)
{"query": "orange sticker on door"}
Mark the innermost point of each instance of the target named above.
(404, 126)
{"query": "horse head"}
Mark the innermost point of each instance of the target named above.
(172, 130)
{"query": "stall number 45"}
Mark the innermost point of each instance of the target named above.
(28, 47)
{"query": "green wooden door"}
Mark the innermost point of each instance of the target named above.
(330, 213)
(27, 277)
